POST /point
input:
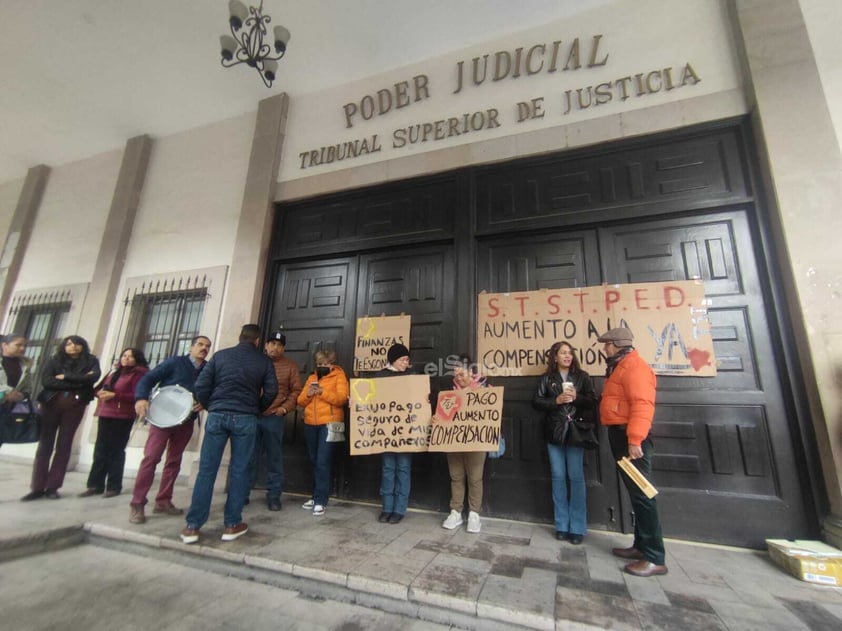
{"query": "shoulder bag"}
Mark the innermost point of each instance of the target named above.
(335, 432)
(20, 423)
(580, 433)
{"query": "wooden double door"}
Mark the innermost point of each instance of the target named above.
(318, 302)
(728, 462)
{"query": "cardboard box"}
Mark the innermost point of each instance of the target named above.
(811, 561)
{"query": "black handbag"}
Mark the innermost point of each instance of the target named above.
(574, 432)
(580, 433)
(20, 423)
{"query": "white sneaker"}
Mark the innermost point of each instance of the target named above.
(308, 505)
(454, 520)
(473, 522)
(318, 509)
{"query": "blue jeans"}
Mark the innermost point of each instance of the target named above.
(395, 476)
(269, 438)
(219, 427)
(567, 465)
(321, 456)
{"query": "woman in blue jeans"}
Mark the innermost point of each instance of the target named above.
(566, 391)
(323, 398)
(395, 468)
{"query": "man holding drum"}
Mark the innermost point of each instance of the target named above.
(182, 371)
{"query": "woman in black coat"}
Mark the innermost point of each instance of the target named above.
(566, 391)
(68, 379)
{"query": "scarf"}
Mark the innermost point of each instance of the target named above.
(612, 362)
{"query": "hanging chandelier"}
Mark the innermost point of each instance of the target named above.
(246, 43)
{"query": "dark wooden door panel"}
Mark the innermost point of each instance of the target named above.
(611, 185)
(723, 444)
(314, 302)
(418, 282)
(398, 214)
(550, 261)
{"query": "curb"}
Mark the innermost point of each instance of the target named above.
(369, 592)
(41, 541)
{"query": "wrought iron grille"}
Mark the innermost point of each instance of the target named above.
(163, 316)
(41, 318)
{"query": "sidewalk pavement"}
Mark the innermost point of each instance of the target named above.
(512, 573)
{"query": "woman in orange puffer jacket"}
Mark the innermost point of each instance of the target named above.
(323, 398)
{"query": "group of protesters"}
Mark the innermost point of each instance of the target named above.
(250, 390)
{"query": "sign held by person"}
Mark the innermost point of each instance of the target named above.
(669, 320)
(390, 414)
(467, 420)
(375, 336)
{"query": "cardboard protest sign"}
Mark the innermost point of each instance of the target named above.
(390, 414)
(375, 336)
(669, 321)
(467, 420)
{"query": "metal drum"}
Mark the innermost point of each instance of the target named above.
(169, 406)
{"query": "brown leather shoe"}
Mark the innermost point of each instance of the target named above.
(189, 535)
(111, 493)
(627, 553)
(89, 493)
(136, 516)
(233, 532)
(645, 569)
(168, 509)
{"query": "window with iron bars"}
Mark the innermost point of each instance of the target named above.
(164, 316)
(41, 318)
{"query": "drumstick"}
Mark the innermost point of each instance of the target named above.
(637, 477)
(138, 421)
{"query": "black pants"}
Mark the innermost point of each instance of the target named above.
(112, 436)
(647, 526)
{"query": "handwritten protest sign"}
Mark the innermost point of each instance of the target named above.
(375, 336)
(467, 420)
(669, 321)
(390, 414)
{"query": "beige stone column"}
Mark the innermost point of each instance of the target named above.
(20, 230)
(803, 170)
(244, 288)
(99, 303)
(111, 258)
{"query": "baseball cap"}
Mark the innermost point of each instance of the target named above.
(278, 336)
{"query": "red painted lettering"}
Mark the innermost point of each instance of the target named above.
(639, 297)
(612, 296)
(522, 300)
(492, 306)
(555, 307)
(673, 297)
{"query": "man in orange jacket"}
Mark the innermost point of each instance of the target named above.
(627, 408)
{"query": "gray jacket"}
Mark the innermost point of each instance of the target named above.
(25, 383)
